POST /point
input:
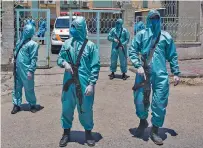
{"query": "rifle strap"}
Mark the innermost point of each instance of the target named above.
(120, 33)
(152, 50)
(79, 55)
(81, 51)
(26, 41)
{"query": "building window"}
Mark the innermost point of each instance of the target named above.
(145, 4)
(171, 8)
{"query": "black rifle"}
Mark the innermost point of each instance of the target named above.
(146, 83)
(75, 76)
(120, 45)
(119, 42)
(15, 58)
(146, 65)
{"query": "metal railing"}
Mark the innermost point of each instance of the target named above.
(182, 29)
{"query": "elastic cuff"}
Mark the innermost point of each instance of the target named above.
(91, 83)
(177, 74)
(63, 62)
(31, 71)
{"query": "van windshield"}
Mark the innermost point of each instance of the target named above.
(62, 23)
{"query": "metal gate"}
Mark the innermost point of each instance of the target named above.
(99, 23)
(37, 15)
(182, 29)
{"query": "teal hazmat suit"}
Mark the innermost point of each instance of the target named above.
(159, 81)
(42, 28)
(124, 38)
(25, 65)
(32, 22)
(138, 27)
(88, 73)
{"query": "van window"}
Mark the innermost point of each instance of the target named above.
(62, 23)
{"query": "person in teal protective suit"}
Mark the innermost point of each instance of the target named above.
(26, 55)
(138, 27)
(155, 71)
(88, 72)
(42, 29)
(32, 22)
(116, 34)
(26, 22)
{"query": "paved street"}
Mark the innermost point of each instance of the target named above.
(114, 116)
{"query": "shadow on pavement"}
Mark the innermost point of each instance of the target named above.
(26, 107)
(117, 76)
(162, 132)
(79, 137)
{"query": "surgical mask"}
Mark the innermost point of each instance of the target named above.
(73, 32)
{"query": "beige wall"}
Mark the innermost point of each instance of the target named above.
(29, 3)
(151, 4)
(154, 4)
(90, 4)
(57, 8)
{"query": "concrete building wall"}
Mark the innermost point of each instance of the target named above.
(191, 50)
(7, 33)
(128, 18)
(154, 4)
(57, 8)
(201, 25)
(151, 4)
(189, 9)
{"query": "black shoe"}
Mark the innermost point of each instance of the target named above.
(33, 108)
(16, 109)
(65, 138)
(141, 128)
(124, 76)
(89, 138)
(155, 137)
(112, 76)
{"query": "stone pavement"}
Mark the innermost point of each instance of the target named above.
(188, 68)
(114, 116)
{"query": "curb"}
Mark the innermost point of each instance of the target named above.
(132, 69)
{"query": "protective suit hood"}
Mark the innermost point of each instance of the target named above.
(33, 22)
(155, 27)
(119, 24)
(80, 28)
(28, 32)
(139, 26)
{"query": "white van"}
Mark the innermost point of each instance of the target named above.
(60, 32)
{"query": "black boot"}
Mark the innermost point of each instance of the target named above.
(89, 138)
(65, 138)
(16, 109)
(155, 137)
(112, 76)
(141, 128)
(124, 76)
(33, 108)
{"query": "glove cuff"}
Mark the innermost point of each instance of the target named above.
(91, 84)
(63, 63)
